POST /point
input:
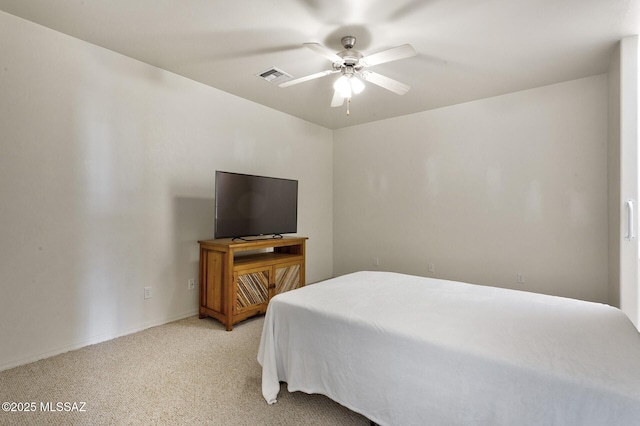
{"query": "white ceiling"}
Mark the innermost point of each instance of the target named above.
(467, 49)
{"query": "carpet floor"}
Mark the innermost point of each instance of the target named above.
(188, 372)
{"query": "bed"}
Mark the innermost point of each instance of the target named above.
(407, 350)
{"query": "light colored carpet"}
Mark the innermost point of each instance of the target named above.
(189, 372)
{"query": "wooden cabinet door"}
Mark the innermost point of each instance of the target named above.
(252, 288)
(288, 277)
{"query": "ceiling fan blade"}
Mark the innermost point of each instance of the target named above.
(337, 100)
(307, 78)
(324, 51)
(393, 54)
(385, 82)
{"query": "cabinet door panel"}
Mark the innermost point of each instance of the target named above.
(287, 277)
(252, 289)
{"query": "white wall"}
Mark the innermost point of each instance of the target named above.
(107, 181)
(482, 190)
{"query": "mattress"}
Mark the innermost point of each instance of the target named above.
(407, 350)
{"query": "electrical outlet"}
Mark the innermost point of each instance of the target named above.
(147, 292)
(431, 267)
(192, 283)
(520, 278)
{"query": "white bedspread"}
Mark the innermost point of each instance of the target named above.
(406, 350)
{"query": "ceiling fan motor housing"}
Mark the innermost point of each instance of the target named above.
(350, 58)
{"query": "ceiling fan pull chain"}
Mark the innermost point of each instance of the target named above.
(348, 105)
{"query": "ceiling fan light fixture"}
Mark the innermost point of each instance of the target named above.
(357, 86)
(343, 87)
(347, 85)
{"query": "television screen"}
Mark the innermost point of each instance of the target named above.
(248, 205)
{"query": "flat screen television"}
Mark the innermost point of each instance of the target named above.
(249, 205)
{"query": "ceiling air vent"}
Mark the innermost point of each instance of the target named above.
(274, 75)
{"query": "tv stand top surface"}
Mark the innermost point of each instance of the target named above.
(231, 244)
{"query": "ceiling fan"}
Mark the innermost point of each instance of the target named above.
(353, 67)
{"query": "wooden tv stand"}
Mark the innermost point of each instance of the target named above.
(238, 278)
